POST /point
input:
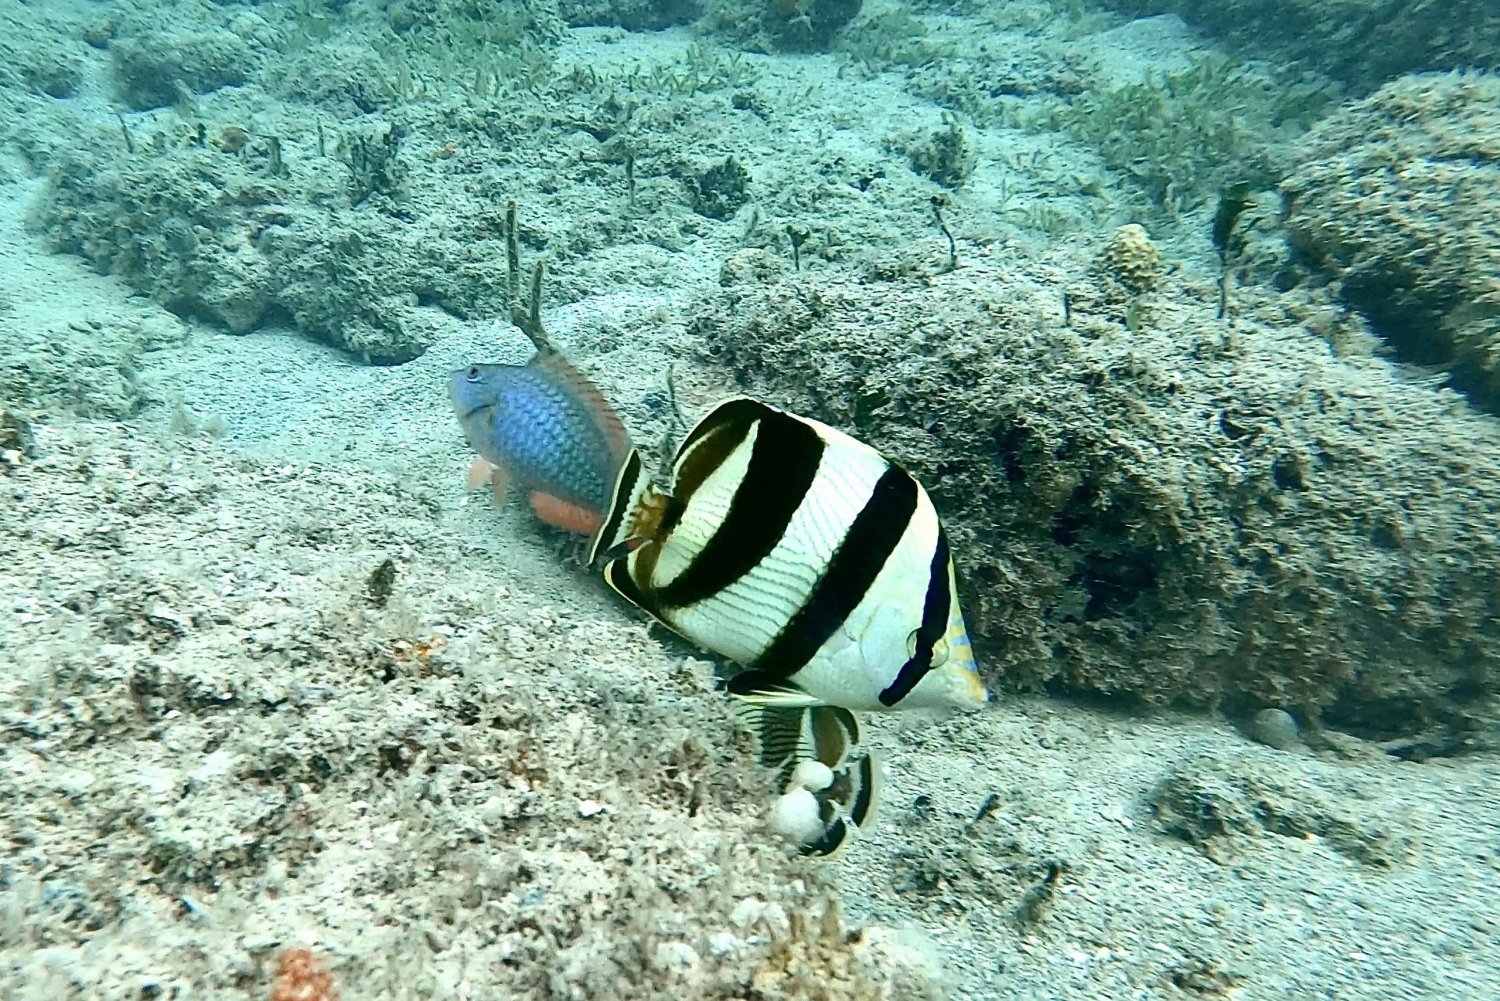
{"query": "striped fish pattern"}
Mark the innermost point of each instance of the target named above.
(806, 557)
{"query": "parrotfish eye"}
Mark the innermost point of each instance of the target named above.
(472, 374)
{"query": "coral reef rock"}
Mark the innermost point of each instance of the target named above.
(1180, 511)
(1360, 42)
(1131, 259)
(1398, 196)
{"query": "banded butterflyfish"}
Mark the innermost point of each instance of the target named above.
(818, 566)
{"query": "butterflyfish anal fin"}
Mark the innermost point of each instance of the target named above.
(835, 835)
(845, 807)
(778, 733)
(834, 733)
(786, 737)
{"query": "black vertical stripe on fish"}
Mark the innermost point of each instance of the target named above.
(714, 440)
(835, 833)
(864, 779)
(739, 412)
(783, 464)
(934, 624)
(851, 572)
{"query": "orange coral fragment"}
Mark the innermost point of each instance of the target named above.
(301, 976)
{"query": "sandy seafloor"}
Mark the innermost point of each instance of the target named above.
(228, 572)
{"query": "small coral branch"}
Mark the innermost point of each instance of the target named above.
(529, 320)
(301, 976)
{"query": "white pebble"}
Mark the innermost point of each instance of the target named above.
(813, 775)
(795, 815)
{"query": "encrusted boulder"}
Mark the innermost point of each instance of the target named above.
(1357, 41)
(1178, 512)
(1398, 197)
(1131, 259)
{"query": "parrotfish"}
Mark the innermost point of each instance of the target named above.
(547, 428)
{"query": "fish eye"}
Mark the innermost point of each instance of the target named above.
(472, 374)
(939, 649)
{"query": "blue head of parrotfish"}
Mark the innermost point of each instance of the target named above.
(545, 424)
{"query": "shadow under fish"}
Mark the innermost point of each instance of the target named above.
(546, 428)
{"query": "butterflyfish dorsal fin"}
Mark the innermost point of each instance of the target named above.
(583, 389)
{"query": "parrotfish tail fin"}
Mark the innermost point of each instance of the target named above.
(565, 514)
(634, 516)
(787, 736)
(583, 389)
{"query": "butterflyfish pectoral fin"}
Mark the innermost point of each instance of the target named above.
(565, 514)
(760, 688)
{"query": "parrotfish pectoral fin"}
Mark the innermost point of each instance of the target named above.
(564, 514)
(479, 473)
(584, 391)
